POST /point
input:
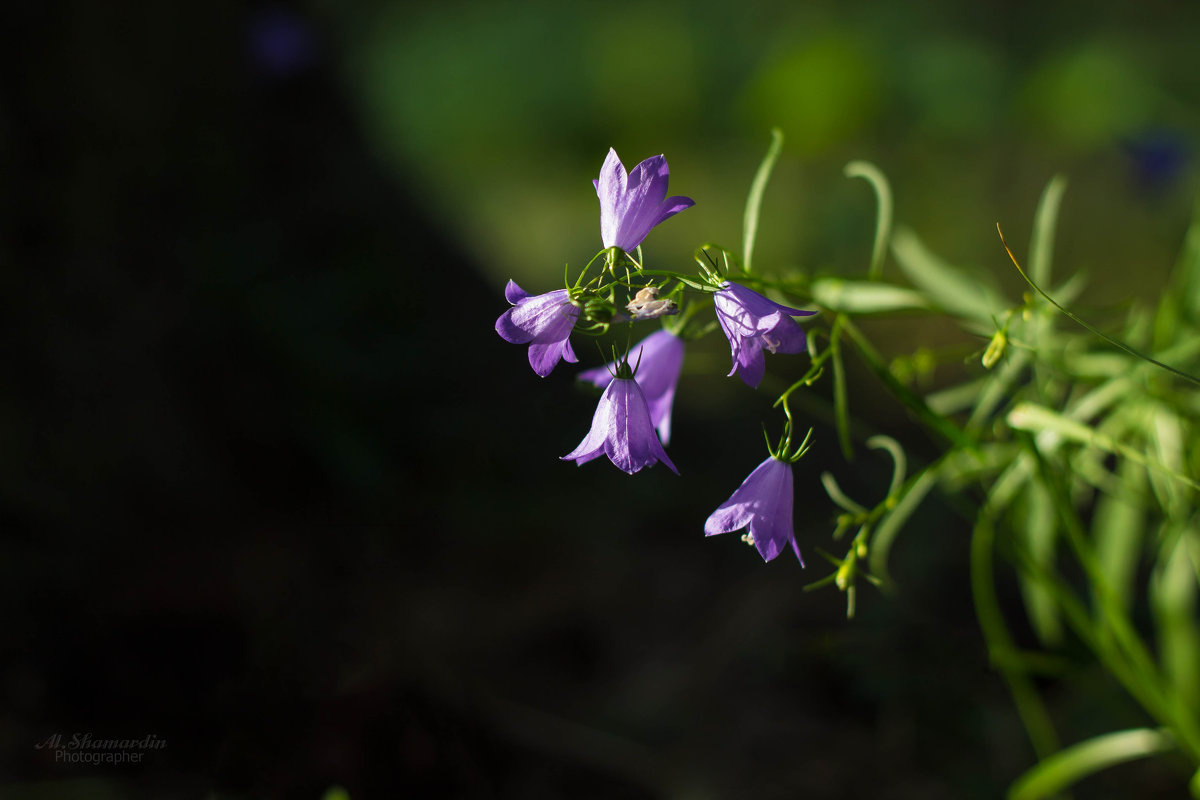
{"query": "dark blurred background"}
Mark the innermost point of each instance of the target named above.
(273, 491)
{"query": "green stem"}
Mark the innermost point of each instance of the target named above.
(948, 430)
(1000, 645)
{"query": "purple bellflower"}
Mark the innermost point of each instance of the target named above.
(660, 359)
(630, 205)
(753, 323)
(543, 322)
(763, 503)
(622, 430)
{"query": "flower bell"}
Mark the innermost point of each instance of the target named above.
(544, 322)
(763, 503)
(621, 429)
(631, 204)
(660, 360)
(752, 323)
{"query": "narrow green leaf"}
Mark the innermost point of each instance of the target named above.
(1117, 528)
(1057, 772)
(754, 201)
(1185, 279)
(1035, 418)
(885, 534)
(864, 297)
(998, 389)
(841, 406)
(947, 287)
(883, 216)
(953, 399)
(1041, 244)
(1001, 650)
(1038, 534)
(838, 496)
(899, 461)
(1173, 598)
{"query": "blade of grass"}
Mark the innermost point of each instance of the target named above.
(1078, 761)
(754, 201)
(883, 217)
(1041, 245)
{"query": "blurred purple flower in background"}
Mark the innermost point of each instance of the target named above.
(631, 205)
(544, 322)
(281, 42)
(763, 503)
(660, 359)
(621, 429)
(752, 322)
(1159, 156)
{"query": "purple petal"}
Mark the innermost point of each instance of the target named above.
(632, 204)
(660, 360)
(661, 356)
(672, 206)
(752, 322)
(547, 317)
(772, 527)
(756, 304)
(544, 357)
(592, 446)
(509, 331)
(568, 353)
(649, 180)
(513, 293)
(785, 337)
(751, 364)
(764, 504)
(621, 429)
(728, 517)
(600, 377)
(638, 209)
(633, 444)
(735, 318)
(611, 188)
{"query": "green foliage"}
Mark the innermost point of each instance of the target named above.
(1085, 449)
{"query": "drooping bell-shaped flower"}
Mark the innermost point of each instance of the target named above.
(763, 503)
(544, 322)
(622, 430)
(752, 323)
(660, 359)
(630, 205)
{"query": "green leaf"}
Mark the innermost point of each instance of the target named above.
(841, 406)
(883, 218)
(1057, 772)
(1001, 649)
(889, 527)
(1038, 534)
(1173, 598)
(1117, 527)
(1041, 245)
(1037, 419)
(946, 287)
(864, 297)
(754, 201)
(1184, 294)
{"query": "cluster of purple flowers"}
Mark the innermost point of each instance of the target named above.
(637, 399)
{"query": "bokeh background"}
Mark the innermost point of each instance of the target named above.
(272, 489)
